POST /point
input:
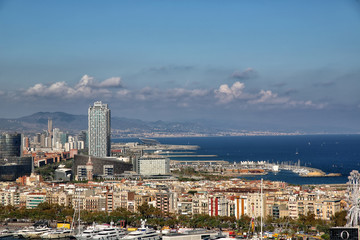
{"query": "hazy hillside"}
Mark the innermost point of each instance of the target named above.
(37, 122)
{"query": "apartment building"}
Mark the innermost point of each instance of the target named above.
(165, 202)
(212, 198)
(240, 206)
(256, 204)
(200, 204)
(34, 199)
(325, 209)
(219, 206)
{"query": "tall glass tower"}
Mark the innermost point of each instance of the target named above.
(99, 130)
(10, 145)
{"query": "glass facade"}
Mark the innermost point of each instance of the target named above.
(99, 130)
(10, 145)
(14, 167)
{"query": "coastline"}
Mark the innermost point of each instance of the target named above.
(225, 134)
(317, 151)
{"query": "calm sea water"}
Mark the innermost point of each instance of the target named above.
(330, 153)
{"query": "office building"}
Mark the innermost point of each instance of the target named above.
(10, 145)
(153, 165)
(12, 164)
(99, 130)
(83, 136)
(107, 167)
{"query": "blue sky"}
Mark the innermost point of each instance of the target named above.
(285, 65)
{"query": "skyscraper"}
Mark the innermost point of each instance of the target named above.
(10, 145)
(50, 133)
(99, 130)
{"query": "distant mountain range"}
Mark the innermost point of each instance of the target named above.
(37, 122)
(126, 127)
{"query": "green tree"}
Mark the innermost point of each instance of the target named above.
(146, 211)
(244, 223)
(339, 219)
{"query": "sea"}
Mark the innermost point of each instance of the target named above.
(330, 153)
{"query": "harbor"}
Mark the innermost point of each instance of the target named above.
(248, 168)
(109, 232)
(181, 156)
(197, 154)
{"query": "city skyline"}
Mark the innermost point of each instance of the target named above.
(249, 64)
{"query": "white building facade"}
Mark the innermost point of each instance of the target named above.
(99, 130)
(153, 165)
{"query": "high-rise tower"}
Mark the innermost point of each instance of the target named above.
(50, 133)
(99, 130)
(10, 145)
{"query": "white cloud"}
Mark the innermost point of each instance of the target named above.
(226, 94)
(38, 89)
(268, 97)
(88, 81)
(85, 81)
(87, 87)
(111, 82)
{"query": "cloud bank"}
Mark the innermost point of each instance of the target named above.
(113, 89)
(87, 87)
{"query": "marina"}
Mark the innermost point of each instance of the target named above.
(248, 168)
(329, 158)
(103, 232)
(193, 155)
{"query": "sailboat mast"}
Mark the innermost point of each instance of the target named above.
(79, 213)
(261, 213)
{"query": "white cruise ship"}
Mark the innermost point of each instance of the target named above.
(101, 232)
(143, 233)
(57, 234)
(36, 233)
(109, 234)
